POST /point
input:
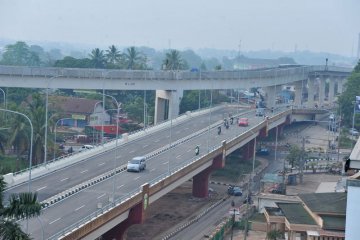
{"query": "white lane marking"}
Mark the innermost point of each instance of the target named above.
(100, 164)
(189, 150)
(132, 151)
(177, 132)
(145, 146)
(157, 140)
(120, 186)
(84, 171)
(40, 188)
(178, 156)
(77, 209)
(118, 156)
(64, 179)
(136, 178)
(54, 221)
(187, 128)
(199, 145)
(151, 170)
(167, 136)
(101, 195)
(165, 162)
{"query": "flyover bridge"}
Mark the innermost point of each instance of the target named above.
(94, 211)
(169, 85)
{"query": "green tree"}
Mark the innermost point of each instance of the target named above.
(21, 205)
(71, 62)
(294, 156)
(135, 109)
(113, 56)
(347, 98)
(173, 61)
(98, 58)
(19, 54)
(132, 58)
(274, 234)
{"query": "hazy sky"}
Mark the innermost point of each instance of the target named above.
(317, 25)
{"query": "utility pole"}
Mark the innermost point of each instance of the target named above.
(302, 160)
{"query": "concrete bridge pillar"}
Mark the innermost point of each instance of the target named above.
(248, 150)
(298, 93)
(321, 91)
(340, 83)
(200, 187)
(331, 90)
(167, 104)
(270, 96)
(311, 92)
(136, 216)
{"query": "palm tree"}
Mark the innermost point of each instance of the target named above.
(132, 58)
(113, 55)
(98, 58)
(173, 60)
(21, 205)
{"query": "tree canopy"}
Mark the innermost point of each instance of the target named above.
(347, 98)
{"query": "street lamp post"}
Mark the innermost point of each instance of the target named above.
(31, 142)
(55, 133)
(46, 114)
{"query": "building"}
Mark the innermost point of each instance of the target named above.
(312, 216)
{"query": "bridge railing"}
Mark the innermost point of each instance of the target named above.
(165, 75)
(96, 214)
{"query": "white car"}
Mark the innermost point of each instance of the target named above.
(137, 164)
(85, 147)
(353, 132)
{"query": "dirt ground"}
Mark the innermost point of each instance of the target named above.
(170, 210)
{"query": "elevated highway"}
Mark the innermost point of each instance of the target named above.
(92, 212)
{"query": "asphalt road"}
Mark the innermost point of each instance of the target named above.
(63, 179)
(60, 215)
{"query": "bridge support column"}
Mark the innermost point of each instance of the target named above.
(136, 216)
(271, 96)
(321, 91)
(248, 150)
(311, 92)
(167, 104)
(331, 90)
(340, 83)
(298, 93)
(200, 187)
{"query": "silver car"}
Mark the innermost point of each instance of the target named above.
(137, 164)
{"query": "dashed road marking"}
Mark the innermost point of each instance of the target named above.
(137, 178)
(101, 195)
(120, 186)
(151, 170)
(165, 162)
(178, 156)
(145, 146)
(40, 188)
(132, 151)
(84, 171)
(77, 209)
(54, 221)
(100, 164)
(64, 179)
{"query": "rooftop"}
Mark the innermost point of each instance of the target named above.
(295, 213)
(329, 203)
(333, 222)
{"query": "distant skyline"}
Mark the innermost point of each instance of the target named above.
(319, 26)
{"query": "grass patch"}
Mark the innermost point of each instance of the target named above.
(235, 168)
(11, 164)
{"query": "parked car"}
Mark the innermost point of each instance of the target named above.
(137, 164)
(85, 147)
(234, 191)
(244, 122)
(263, 151)
(353, 132)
